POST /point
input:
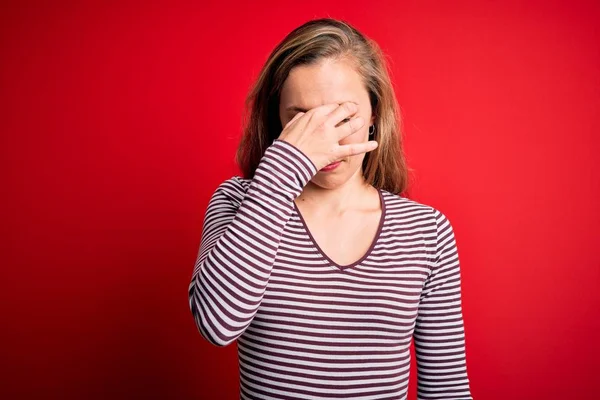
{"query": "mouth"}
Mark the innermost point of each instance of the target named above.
(331, 166)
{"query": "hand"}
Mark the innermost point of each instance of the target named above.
(317, 135)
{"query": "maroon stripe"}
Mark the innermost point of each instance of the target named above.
(422, 269)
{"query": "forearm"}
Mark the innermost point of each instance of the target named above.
(235, 261)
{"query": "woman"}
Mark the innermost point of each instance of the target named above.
(312, 260)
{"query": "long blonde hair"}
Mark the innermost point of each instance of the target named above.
(315, 40)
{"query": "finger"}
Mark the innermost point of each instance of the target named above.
(316, 116)
(350, 127)
(296, 117)
(325, 109)
(342, 112)
(352, 149)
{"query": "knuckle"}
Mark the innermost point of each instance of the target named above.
(357, 122)
(350, 107)
(320, 127)
(353, 125)
(327, 124)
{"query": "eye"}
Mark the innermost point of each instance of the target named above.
(342, 122)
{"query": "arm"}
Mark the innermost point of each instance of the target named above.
(240, 236)
(439, 332)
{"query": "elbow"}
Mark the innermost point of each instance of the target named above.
(218, 342)
(215, 340)
(211, 333)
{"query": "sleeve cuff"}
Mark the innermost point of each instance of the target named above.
(299, 155)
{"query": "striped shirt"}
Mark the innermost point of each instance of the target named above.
(308, 328)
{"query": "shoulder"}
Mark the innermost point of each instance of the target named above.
(232, 189)
(403, 210)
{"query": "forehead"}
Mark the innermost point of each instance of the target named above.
(309, 86)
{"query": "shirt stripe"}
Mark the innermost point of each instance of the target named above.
(307, 328)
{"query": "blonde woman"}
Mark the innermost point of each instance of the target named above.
(314, 261)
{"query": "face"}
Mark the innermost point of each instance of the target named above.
(310, 86)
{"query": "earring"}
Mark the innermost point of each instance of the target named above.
(371, 132)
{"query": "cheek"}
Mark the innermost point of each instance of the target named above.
(283, 121)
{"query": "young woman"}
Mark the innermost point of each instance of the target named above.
(314, 261)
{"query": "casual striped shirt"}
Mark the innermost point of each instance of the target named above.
(308, 328)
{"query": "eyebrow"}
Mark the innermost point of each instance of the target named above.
(296, 108)
(300, 109)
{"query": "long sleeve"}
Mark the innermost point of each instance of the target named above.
(439, 331)
(241, 233)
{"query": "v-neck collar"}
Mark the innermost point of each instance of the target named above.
(369, 250)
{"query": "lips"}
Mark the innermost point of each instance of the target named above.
(331, 166)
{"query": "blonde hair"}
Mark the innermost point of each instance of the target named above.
(315, 40)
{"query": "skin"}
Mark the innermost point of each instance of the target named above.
(340, 208)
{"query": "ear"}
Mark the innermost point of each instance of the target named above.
(372, 120)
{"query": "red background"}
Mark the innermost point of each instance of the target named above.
(118, 120)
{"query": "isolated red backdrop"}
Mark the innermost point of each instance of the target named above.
(118, 120)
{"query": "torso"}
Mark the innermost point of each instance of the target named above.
(344, 239)
(322, 321)
(307, 328)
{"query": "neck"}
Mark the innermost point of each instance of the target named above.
(349, 195)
